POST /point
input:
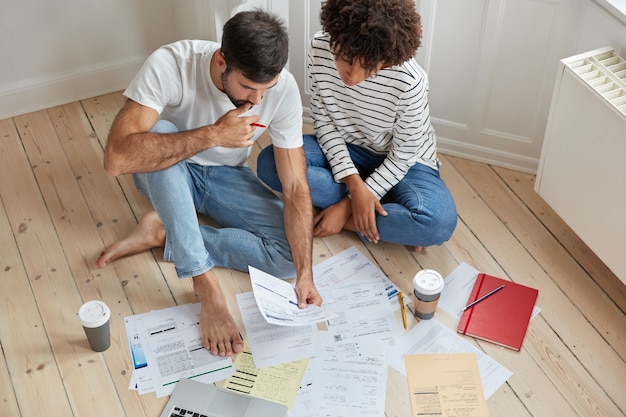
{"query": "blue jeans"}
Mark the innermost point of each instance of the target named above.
(251, 217)
(421, 211)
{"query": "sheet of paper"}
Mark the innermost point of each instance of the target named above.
(342, 388)
(272, 344)
(431, 336)
(360, 320)
(362, 334)
(302, 403)
(279, 383)
(141, 379)
(351, 267)
(446, 385)
(172, 344)
(278, 302)
(458, 286)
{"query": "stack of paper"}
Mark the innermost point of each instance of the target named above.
(348, 366)
(347, 362)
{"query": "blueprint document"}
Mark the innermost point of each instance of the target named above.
(166, 345)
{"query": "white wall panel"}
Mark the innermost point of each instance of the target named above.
(491, 76)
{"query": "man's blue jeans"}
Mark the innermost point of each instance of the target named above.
(421, 211)
(251, 217)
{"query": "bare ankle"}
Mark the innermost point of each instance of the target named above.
(206, 285)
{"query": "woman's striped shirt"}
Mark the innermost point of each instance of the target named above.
(387, 114)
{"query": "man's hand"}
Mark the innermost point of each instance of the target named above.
(233, 130)
(132, 148)
(307, 293)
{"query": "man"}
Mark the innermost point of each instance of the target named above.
(185, 133)
(372, 164)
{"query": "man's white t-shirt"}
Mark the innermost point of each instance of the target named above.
(175, 81)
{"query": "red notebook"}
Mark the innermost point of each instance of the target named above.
(501, 318)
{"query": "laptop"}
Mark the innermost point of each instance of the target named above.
(192, 398)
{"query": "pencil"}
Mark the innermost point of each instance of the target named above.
(483, 297)
(401, 300)
(258, 125)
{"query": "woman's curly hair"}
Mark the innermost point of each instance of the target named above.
(372, 31)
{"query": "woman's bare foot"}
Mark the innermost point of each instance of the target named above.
(148, 234)
(418, 249)
(219, 333)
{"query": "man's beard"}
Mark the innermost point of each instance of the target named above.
(236, 102)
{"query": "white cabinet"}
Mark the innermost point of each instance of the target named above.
(582, 171)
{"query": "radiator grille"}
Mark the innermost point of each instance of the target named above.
(606, 74)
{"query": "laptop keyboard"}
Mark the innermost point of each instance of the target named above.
(181, 412)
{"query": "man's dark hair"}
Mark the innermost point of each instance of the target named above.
(372, 32)
(257, 44)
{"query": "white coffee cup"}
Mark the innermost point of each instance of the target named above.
(427, 287)
(95, 317)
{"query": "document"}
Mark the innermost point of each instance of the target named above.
(350, 268)
(278, 302)
(360, 319)
(171, 341)
(446, 385)
(141, 379)
(273, 344)
(458, 285)
(279, 383)
(302, 404)
(430, 336)
(341, 388)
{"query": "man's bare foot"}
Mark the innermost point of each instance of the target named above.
(219, 333)
(148, 234)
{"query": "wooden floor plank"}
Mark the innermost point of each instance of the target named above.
(101, 111)
(8, 402)
(30, 365)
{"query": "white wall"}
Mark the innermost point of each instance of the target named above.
(58, 51)
(599, 26)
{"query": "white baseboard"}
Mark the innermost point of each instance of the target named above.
(42, 93)
(488, 156)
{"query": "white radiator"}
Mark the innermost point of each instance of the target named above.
(582, 170)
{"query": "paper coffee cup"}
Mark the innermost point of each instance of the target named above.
(427, 287)
(95, 317)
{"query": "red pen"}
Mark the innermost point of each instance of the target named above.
(258, 125)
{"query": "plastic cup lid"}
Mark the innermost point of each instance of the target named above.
(94, 313)
(428, 281)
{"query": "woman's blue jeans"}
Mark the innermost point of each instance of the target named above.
(421, 211)
(250, 216)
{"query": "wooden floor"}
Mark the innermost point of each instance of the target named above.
(59, 210)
